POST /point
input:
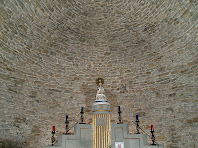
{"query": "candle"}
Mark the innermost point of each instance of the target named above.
(137, 117)
(118, 108)
(66, 117)
(53, 129)
(81, 109)
(151, 127)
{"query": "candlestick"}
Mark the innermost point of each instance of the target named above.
(81, 117)
(53, 133)
(137, 125)
(153, 137)
(119, 116)
(67, 125)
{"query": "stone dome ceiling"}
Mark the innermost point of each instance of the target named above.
(116, 24)
(51, 52)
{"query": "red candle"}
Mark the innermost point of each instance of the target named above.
(53, 128)
(151, 127)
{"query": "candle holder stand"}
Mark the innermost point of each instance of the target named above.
(137, 127)
(81, 117)
(67, 127)
(119, 117)
(153, 137)
(53, 138)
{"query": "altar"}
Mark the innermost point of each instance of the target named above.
(101, 133)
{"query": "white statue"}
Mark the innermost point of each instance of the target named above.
(100, 92)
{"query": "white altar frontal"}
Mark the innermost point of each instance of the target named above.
(101, 133)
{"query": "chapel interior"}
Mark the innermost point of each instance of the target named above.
(52, 52)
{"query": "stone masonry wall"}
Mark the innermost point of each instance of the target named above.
(51, 53)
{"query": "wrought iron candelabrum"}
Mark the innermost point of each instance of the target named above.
(53, 138)
(81, 117)
(153, 136)
(137, 125)
(67, 125)
(119, 116)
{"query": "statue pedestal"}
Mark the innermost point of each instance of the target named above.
(101, 125)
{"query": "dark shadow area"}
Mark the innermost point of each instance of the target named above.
(7, 143)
